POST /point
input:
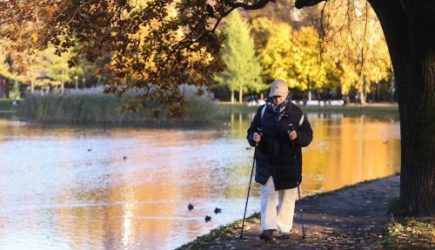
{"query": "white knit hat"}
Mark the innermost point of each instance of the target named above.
(278, 88)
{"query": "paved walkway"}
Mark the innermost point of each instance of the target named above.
(352, 218)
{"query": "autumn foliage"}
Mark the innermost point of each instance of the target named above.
(156, 46)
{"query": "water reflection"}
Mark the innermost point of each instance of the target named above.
(348, 150)
(71, 187)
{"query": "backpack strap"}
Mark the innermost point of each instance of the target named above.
(262, 111)
(301, 120)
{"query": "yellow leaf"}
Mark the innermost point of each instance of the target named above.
(35, 37)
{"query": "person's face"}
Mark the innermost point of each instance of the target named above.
(278, 99)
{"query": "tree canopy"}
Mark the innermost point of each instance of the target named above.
(40, 68)
(153, 45)
(358, 45)
(5, 68)
(158, 45)
(242, 67)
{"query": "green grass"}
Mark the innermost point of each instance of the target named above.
(221, 233)
(228, 108)
(410, 233)
(5, 105)
(91, 108)
(404, 231)
(351, 109)
(369, 108)
(376, 111)
(396, 208)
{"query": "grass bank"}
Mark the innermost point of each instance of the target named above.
(6, 105)
(93, 107)
(404, 231)
(90, 106)
(368, 108)
(410, 233)
(236, 108)
(221, 233)
(349, 109)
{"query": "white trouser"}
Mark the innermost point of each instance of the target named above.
(277, 217)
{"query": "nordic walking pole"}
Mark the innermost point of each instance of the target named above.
(299, 191)
(249, 187)
(302, 213)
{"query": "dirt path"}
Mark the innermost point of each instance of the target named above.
(352, 218)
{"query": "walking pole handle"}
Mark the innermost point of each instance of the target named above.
(259, 131)
(290, 127)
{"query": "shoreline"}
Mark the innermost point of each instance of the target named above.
(353, 216)
(222, 111)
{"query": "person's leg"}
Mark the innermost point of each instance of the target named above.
(269, 198)
(286, 209)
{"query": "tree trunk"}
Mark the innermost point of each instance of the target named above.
(410, 38)
(232, 96)
(362, 98)
(241, 94)
(418, 112)
(392, 88)
(8, 89)
(309, 88)
(362, 91)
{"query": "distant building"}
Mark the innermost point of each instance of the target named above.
(4, 87)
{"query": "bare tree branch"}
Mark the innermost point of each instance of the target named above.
(8, 21)
(233, 5)
(257, 5)
(363, 39)
(322, 23)
(305, 3)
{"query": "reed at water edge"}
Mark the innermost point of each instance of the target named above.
(91, 106)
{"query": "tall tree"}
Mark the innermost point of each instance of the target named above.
(43, 68)
(163, 59)
(242, 72)
(310, 70)
(292, 55)
(276, 56)
(5, 68)
(355, 41)
(408, 29)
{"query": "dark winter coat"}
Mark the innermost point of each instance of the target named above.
(277, 155)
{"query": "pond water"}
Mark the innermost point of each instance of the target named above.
(129, 188)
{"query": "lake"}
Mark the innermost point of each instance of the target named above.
(81, 187)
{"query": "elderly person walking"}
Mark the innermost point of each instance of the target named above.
(279, 130)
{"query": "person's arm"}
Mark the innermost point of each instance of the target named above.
(304, 133)
(255, 124)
